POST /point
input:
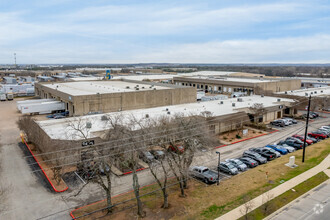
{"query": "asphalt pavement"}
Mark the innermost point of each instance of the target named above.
(313, 206)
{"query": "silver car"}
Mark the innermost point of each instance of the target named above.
(289, 148)
(238, 164)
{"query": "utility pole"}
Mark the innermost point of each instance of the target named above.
(15, 60)
(307, 119)
(218, 182)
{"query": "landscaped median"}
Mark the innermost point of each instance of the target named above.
(57, 186)
(213, 201)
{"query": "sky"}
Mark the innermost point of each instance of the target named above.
(164, 31)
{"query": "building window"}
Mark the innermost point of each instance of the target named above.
(194, 85)
(202, 87)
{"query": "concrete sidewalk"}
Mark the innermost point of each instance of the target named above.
(258, 201)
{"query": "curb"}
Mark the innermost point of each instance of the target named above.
(278, 211)
(58, 191)
(246, 139)
(132, 171)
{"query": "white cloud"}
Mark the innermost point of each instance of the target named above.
(282, 50)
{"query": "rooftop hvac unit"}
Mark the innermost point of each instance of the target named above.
(239, 99)
(221, 102)
(262, 95)
(315, 92)
(168, 113)
(137, 89)
(137, 86)
(285, 92)
(167, 109)
(104, 118)
(233, 104)
(142, 87)
(321, 91)
(147, 115)
(88, 124)
(306, 94)
(278, 100)
(154, 88)
(127, 87)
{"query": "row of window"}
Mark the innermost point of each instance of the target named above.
(216, 88)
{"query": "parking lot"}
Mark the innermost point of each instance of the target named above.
(33, 191)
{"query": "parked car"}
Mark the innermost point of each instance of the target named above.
(249, 162)
(228, 168)
(255, 156)
(305, 116)
(302, 138)
(147, 156)
(318, 135)
(177, 149)
(278, 154)
(278, 123)
(327, 132)
(291, 120)
(106, 167)
(308, 142)
(59, 117)
(279, 149)
(325, 127)
(289, 148)
(238, 164)
(264, 152)
(158, 154)
(314, 114)
(205, 174)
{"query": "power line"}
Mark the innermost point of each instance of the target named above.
(78, 148)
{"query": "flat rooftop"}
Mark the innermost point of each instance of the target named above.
(320, 91)
(100, 87)
(60, 129)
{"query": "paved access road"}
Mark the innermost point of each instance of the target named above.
(313, 206)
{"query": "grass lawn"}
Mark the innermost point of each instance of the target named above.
(209, 202)
(280, 201)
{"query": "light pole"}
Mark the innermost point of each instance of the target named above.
(307, 119)
(218, 182)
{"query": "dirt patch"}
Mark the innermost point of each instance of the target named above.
(231, 136)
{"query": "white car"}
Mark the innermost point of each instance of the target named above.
(287, 121)
(289, 148)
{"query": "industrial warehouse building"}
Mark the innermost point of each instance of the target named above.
(85, 97)
(247, 85)
(220, 115)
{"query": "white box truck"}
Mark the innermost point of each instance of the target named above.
(10, 96)
(3, 97)
(43, 108)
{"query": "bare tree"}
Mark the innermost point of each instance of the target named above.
(247, 207)
(258, 110)
(266, 197)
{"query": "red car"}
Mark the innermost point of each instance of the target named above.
(308, 141)
(176, 149)
(317, 135)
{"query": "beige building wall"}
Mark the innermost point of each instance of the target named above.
(81, 105)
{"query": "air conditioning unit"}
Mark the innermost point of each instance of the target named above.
(221, 102)
(321, 91)
(168, 113)
(88, 124)
(154, 88)
(285, 92)
(278, 100)
(127, 87)
(233, 104)
(306, 94)
(239, 99)
(167, 109)
(104, 118)
(137, 89)
(262, 95)
(147, 115)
